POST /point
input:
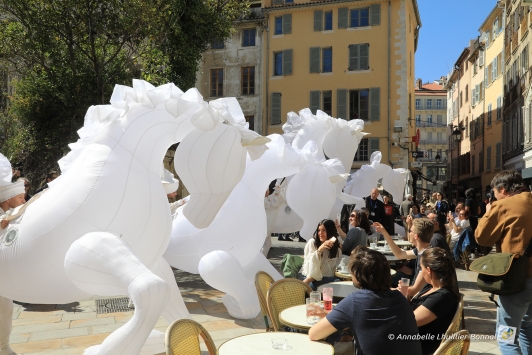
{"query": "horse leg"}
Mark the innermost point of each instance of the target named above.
(102, 264)
(175, 309)
(222, 271)
(6, 319)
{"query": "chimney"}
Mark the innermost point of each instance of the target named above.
(419, 83)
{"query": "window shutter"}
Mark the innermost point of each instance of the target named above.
(318, 20)
(314, 101)
(342, 17)
(373, 145)
(353, 57)
(375, 104)
(481, 59)
(364, 56)
(277, 2)
(497, 155)
(276, 108)
(473, 97)
(375, 15)
(341, 109)
(315, 59)
(485, 77)
(287, 62)
(494, 74)
(287, 23)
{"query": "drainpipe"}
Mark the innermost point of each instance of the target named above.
(267, 100)
(389, 82)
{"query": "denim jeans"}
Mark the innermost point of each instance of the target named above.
(515, 311)
(325, 280)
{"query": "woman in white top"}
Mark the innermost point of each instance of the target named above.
(322, 255)
(457, 228)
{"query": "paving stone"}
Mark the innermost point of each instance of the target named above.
(79, 315)
(91, 322)
(67, 351)
(38, 320)
(231, 333)
(59, 334)
(86, 341)
(31, 314)
(104, 315)
(40, 327)
(19, 338)
(108, 328)
(35, 346)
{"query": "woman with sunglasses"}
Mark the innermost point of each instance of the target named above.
(358, 235)
(457, 228)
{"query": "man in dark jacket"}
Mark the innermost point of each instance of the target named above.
(375, 206)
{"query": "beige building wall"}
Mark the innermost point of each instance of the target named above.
(387, 79)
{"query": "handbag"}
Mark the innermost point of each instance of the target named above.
(502, 273)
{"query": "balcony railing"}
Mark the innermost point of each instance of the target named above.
(431, 107)
(515, 39)
(508, 51)
(524, 26)
(430, 124)
(432, 141)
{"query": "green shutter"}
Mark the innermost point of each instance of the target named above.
(315, 59)
(314, 101)
(287, 62)
(287, 23)
(341, 108)
(277, 2)
(318, 20)
(342, 17)
(276, 109)
(375, 104)
(373, 145)
(363, 56)
(375, 14)
(353, 57)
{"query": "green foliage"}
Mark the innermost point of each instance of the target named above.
(69, 54)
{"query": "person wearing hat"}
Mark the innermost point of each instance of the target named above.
(11, 196)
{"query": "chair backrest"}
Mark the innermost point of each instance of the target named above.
(284, 294)
(263, 281)
(455, 344)
(182, 338)
(455, 325)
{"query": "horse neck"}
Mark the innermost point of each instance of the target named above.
(257, 178)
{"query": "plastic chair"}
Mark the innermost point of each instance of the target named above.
(284, 294)
(263, 281)
(456, 323)
(456, 344)
(182, 338)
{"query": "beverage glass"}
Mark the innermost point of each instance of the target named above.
(280, 344)
(309, 307)
(373, 246)
(327, 298)
(403, 286)
(315, 297)
(345, 268)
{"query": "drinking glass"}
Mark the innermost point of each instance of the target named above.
(280, 344)
(373, 246)
(315, 297)
(309, 308)
(403, 286)
(327, 298)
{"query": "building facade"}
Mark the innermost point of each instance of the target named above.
(431, 121)
(350, 59)
(233, 68)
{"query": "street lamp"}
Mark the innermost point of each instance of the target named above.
(456, 133)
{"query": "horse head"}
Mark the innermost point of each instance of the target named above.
(342, 140)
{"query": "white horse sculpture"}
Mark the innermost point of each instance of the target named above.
(227, 253)
(102, 227)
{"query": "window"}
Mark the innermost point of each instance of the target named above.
(498, 148)
(327, 60)
(438, 104)
(466, 93)
(429, 118)
(460, 99)
(366, 147)
(364, 104)
(418, 120)
(282, 63)
(217, 82)
(429, 153)
(358, 57)
(217, 45)
(315, 101)
(488, 159)
(248, 81)
(439, 138)
(276, 109)
(524, 59)
(283, 24)
(467, 126)
(251, 122)
(327, 102)
(429, 137)
(495, 27)
(418, 104)
(359, 17)
(499, 108)
(439, 119)
(489, 115)
(429, 104)
(328, 19)
(248, 37)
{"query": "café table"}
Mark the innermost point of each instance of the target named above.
(347, 276)
(340, 289)
(296, 317)
(399, 243)
(261, 344)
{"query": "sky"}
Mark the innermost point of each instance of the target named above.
(446, 28)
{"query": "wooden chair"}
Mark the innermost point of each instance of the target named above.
(456, 323)
(263, 281)
(284, 294)
(456, 344)
(182, 338)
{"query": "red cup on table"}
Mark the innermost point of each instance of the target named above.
(327, 298)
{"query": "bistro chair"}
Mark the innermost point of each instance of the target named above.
(456, 323)
(284, 294)
(263, 281)
(456, 344)
(182, 338)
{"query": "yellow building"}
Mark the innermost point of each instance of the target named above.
(350, 59)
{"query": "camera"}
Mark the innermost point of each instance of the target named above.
(491, 196)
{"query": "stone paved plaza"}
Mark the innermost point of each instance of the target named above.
(68, 329)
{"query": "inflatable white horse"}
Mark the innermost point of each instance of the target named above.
(227, 253)
(102, 227)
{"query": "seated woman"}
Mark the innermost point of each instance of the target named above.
(435, 305)
(322, 255)
(358, 235)
(374, 312)
(457, 228)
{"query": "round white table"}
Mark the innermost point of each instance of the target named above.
(295, 317)
(261, 344)
(399, 243)
(347, 276)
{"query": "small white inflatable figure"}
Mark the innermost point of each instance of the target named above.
(102, 226)
(227, 253)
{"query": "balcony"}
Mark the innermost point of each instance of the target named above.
(524, 27)
(430, 124)
(515, 41)
(433, 142)
(431, 107)
(508, 51)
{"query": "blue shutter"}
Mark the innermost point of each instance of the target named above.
(315, 59)
(342, 17)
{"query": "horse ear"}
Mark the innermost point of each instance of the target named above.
(337, 178)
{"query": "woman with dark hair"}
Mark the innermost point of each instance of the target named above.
(322, 255)
(434, 306)
(373, 313)
(441, 205)
(415, 213)
(358, 235)
(472, 206)
(456, 229)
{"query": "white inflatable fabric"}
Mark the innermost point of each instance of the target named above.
(102, 227)
(343, 139)
(227, 252)
(170, 183)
